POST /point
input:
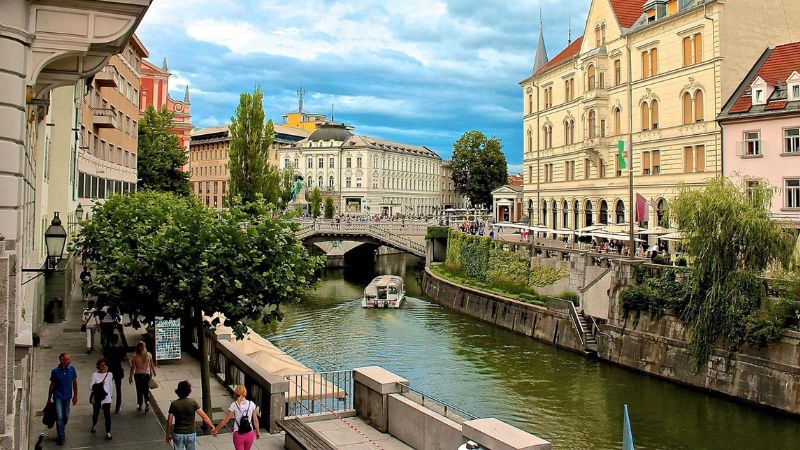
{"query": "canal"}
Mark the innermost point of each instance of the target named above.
(490, 372)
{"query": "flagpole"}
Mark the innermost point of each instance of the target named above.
(632, 243)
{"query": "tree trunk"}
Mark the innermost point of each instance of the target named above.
(205, 372)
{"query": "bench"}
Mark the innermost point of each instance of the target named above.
(301, 436)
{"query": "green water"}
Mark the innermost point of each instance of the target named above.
(490, 372)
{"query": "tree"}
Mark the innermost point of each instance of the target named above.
(161, 255)
(479, 166)
(330, 209)
(251, 176)
(733, 242)
(160, 155)
(316, 203)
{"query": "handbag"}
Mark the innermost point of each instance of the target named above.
(99, 391)
(152, 384)
(49, 415)
(83, 328)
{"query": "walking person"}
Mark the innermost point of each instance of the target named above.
(86, 280)
(100, 397)
(108, 322)
(142, 368)
(63, 388)
(246, 420)
(91, 323)
(181, 413)
(115, 355)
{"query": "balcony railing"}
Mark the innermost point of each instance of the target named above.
(107, 77)
(104, 118)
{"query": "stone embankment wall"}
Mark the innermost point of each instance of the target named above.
(768, 377)
(551, 324)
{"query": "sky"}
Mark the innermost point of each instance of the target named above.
(419, 72)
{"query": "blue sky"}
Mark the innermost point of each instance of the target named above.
(415, 71)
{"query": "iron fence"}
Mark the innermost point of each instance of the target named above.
(319, 393)
(445, 409)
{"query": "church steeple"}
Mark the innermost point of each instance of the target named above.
(541, 53)
(186, 95)
(164, 65)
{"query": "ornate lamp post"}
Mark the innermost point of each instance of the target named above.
(55, 238)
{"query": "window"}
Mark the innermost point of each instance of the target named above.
(645, 64)
(601, 169)
(758, 98)
(592, 122)
(688, 159)
(687, 51)
(591, 76)
(645, 163)
(651, 162)
(586, 168)
(698, 106)
(617, 72)
(602, 80)
(569, 170)
(310, 163)
(617, 122)
(348, 182)
(752, 143)
(530, 175)
(548, 97)
(654, 114)
(653, 62)
(698, 48)
(320, 182)
(286, 163)
(656, 162)
(603, 128)
(330, 181)
(792, 193)
(791, 138)
(530, 140)
(330, 163)
(645, 117)
(694, 159)
(687, 109)
(320, 162)
(796, 92)
(530, 103)
(358, 182)
(349, 162)
(603, 34)
(597, 35)
(358, 162)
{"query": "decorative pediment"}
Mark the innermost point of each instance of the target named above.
(692, 86)
(649, 97)
(529, 90)
(569, 116)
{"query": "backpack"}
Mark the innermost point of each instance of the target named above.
(99, 391)
(244, 422)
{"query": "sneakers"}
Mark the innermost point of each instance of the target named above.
(108, 436)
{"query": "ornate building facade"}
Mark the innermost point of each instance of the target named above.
(650, 73)
(155, 92)
(367, 175)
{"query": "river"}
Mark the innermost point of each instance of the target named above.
(491, 372)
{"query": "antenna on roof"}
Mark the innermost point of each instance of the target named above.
(332, 113)
(300, 94)
(569, 30)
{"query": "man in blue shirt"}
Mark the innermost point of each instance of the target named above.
(63, 388)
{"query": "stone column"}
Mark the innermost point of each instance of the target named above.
(372, 386)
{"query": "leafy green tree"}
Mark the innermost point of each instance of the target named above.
(160, 157)
(251, 176)
(733, 242)
(316, 203)
(161, 255)
(479, 166)
(330, 209)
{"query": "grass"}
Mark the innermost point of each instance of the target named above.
(502, 288)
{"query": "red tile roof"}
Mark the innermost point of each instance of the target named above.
(779, 65)
(627, 11)
(571, 50)
(515, 180)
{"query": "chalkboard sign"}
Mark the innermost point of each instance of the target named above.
(168, 338)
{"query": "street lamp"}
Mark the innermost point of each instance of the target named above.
(79, 212)
(55, 238)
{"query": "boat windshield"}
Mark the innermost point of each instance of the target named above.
(393, 290)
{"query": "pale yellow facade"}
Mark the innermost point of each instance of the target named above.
(658, 83)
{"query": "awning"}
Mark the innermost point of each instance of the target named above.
(619, 237)
(676, 236)
(618, 228)
(657, 230)
(589, 229)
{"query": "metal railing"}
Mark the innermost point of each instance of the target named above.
(376, 231)
(319, 393)
(576, 322)
(443, 408)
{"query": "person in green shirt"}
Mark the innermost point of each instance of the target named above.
(181, 431)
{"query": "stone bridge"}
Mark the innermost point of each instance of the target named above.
(406, 237)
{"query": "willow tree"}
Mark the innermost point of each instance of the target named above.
(251, 176)
(733, 242)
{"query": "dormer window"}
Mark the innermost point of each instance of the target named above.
(793, 86)
(761, 90)
(758, 97)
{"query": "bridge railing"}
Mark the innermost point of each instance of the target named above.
(377, 231)
(396, 239)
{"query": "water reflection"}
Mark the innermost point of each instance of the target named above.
(575, 403)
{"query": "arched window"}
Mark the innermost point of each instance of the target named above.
(617, 122)
(687, 109)
(645, 116)
(597, 35)
(544, 213)
(698, 106)
(555, 215)
(530, 103)
(564, 214)
(620, 212)
(320, 182)
(572, 131)
(576, 222)
(592, 122)
(330, 181)
(549, 136)
(603, 212)
(603, 34)
(591, 76)
(530, 140)
(654, 114)
(587, 210)
(544, 135)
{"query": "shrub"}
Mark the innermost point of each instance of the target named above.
(681, 262)
(437, 233)
(570, 296)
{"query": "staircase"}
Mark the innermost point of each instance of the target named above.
(591, 340)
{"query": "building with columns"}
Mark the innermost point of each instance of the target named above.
(155, 92)
(44, 45)
(367, 175)
(651, 73)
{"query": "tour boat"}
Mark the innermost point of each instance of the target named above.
(385, 291)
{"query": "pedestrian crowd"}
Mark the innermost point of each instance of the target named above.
(105, 387)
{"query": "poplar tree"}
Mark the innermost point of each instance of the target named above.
(160, 157)
(250, 174)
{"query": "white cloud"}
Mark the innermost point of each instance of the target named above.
(515, 168)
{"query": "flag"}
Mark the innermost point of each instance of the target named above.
(621, 154)
(627, 435)
(641, 208)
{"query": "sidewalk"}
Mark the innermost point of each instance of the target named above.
(130, 428)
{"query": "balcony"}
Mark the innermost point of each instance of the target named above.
(595, 95)
(104, 118)
(106, 78)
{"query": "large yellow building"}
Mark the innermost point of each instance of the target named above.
(651, 72)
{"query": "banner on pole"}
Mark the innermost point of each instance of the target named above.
(641, 208)
(621, 147)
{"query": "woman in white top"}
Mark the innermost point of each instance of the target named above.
(92, 323)
(241, 407)
(102, 382)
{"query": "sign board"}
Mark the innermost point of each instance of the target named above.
(168, 338)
